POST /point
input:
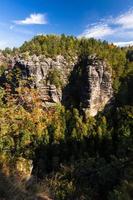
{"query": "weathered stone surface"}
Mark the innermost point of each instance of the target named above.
(38, 67)
(97, 86)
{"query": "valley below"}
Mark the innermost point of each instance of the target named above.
(66, 120)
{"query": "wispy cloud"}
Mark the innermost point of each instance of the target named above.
(33, 19)
(112, 28)
(125, 20)
(97, 31)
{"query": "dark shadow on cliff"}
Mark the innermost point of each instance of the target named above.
(72, 92)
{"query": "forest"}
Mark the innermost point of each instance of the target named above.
(74, 158)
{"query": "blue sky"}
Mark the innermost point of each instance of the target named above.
(110, 20)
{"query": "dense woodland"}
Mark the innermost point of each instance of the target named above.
(73, 158)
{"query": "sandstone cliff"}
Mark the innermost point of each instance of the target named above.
(94, 88)
(39, 68)
(97, 85)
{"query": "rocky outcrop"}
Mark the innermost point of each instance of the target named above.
(94, 88)
(38, 68)
(97, 85)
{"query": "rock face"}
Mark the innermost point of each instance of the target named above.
(94, 88)
(38, 68)
(97, 86)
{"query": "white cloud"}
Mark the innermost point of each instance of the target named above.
(125, 20)
(97, 31)
(122, 44)
(33, 19)
(113, 29)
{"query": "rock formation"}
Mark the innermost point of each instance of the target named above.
(97, 85)
(94, 87)
(38, 68)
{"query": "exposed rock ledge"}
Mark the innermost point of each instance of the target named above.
(95, 88)
(38, 67)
